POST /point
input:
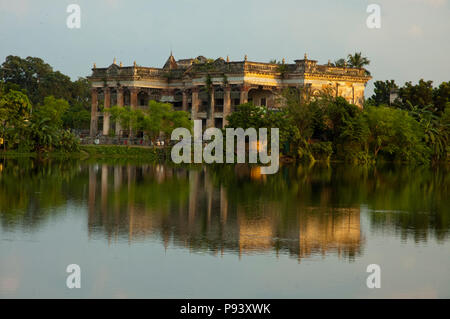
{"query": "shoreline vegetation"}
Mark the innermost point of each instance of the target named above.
(42, 113)
(134, 154)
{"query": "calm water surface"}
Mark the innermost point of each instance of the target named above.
(154, 231)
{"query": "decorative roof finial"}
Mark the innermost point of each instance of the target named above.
(283, 61)
(95, 66)
(345, 63)
(245, 58)
(114, 61)
(329, 62)
(134, 64)
(121, 64)
(306, 56)
(228, 58)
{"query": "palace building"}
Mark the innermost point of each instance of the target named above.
(210, 89)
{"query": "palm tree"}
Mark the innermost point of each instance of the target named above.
(357, 60)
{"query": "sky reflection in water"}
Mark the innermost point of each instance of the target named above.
(155, 231)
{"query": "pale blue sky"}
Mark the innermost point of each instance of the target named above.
(412, 43)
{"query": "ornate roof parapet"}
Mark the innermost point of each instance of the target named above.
(184, 63)
(203, 65)
(114, 72)
(258, 67)
(306, 65)
(198, 67)
(146, 72)
(344, 71)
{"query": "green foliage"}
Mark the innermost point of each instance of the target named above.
(52, 109)
(121, 115)
(322, 151)
(342, 124)
(77, 117)
(38, 129)
(28, 73)
(15, 112)
(420, 94)
(427, 105)
(340, 63)
(37, 80)
(441, 97)
(14, 107)
(357, 60)
(435, 129)
(282, 68)
(332, 123)
(118, 151)
(248, 115)
(331, 128)
(156, 119)
(395, 134)
(225, 79)
(203, 64)
(68, 142)
(208, 83)
(382, 92)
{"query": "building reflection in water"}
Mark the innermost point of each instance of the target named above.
(193, 209)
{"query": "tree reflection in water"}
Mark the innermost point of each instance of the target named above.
(301, 211)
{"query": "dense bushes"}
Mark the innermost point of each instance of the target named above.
(328, 128)
(158, 120)
(37, 79)
(34, 129)
(394, 134)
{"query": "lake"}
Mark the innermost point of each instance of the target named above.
(142, 230)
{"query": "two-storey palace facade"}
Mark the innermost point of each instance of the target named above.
(210, 89)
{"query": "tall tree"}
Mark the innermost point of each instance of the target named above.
(159, 118)
(382, 92)
(357, 60)
(441, 97)
(420, 94)
(39, 80)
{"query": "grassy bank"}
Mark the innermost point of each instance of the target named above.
(116, 154)
(123, 151)
(148, 154)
